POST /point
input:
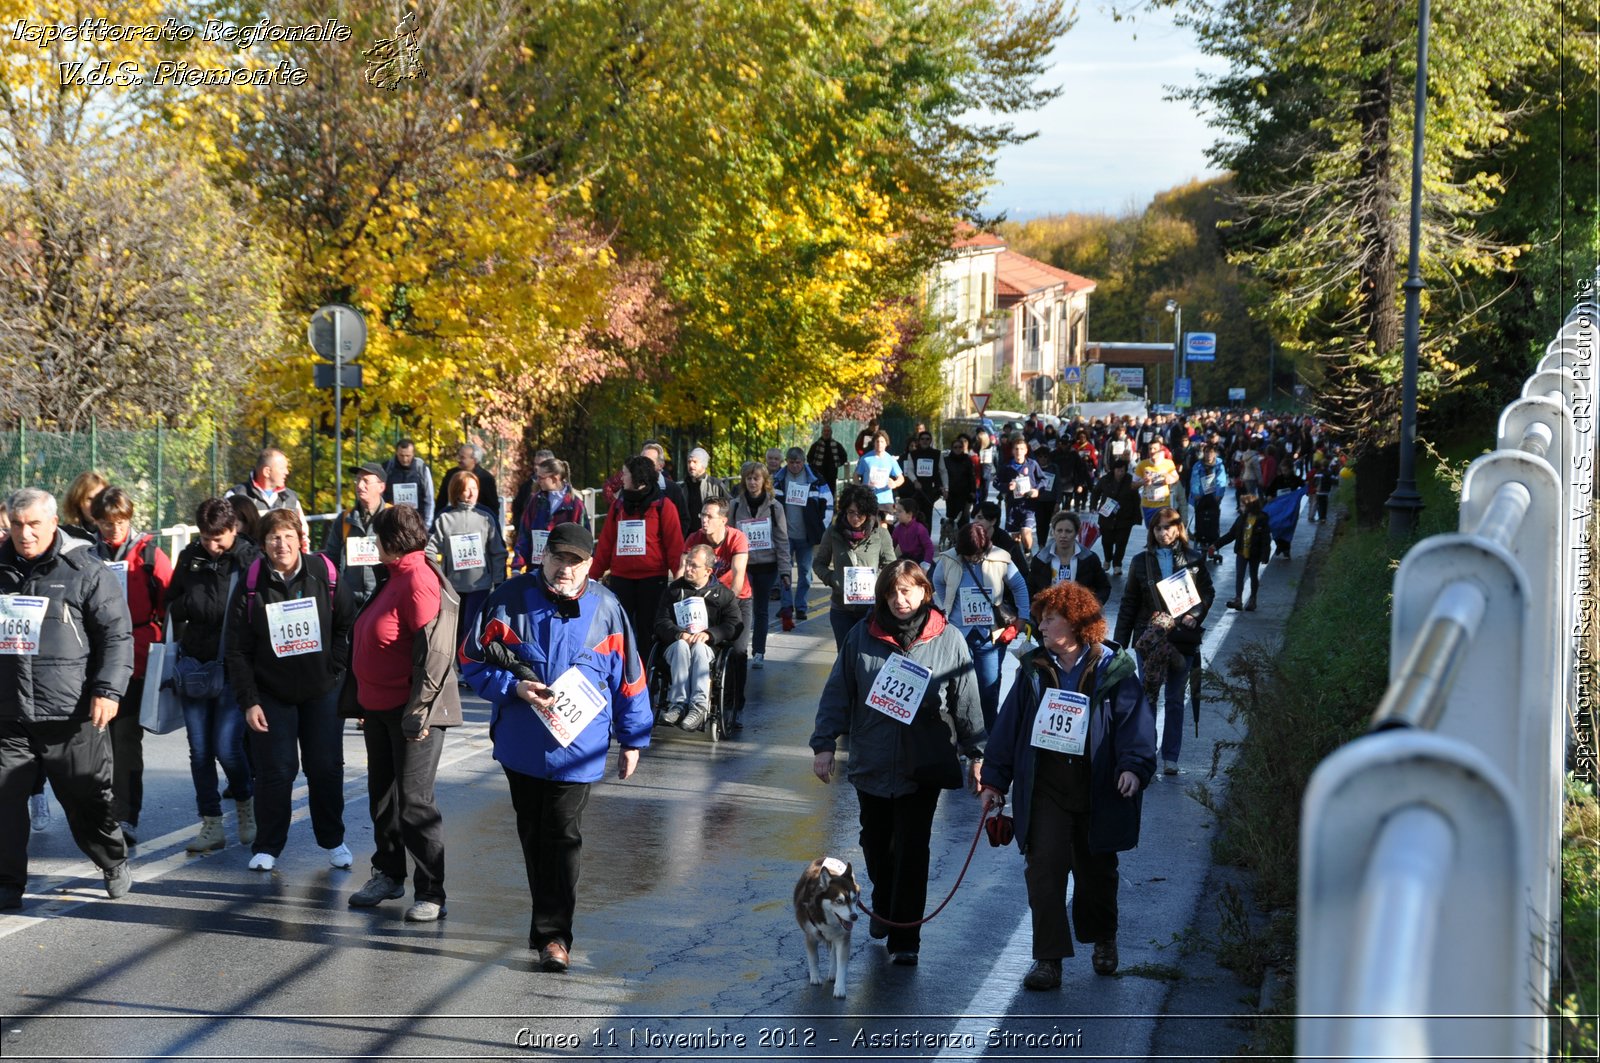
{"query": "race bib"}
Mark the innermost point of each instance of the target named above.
(405, 495)
(878, 477)
(21, 621)
(361, 550)
(536, 541)
(1021, 485)
(1047, 481)
(119, 569)
(860, 585)
(295, 627)
(1179, 592)
(759, 532)
(924, 468)
(466, 552)
(691, 615)
(1108, 507)
(898, 689)
(1155, 490)
(630, 538)
(975, 608)
(1062, 723)
(796, 492)
(577, 703)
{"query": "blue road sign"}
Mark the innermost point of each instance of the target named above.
(1072, 374)
(1182, 396)
(1200, 346)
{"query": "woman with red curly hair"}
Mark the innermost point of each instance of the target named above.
(1078, 740)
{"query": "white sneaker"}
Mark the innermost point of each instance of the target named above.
(341, 857)
(263, 862)
(39, 811)
(758, 660)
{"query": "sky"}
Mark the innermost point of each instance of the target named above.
(1111, 140)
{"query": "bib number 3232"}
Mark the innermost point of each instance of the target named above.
(898, 689)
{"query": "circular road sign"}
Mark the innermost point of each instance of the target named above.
(352, 331)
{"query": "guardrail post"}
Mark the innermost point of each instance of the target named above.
(1452, 1000)
(1537, 735)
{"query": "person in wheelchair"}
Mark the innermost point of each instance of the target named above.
(697, 617)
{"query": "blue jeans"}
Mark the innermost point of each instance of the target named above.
(987, 657)
(796, 594)
(1176, 687)
(216, 734)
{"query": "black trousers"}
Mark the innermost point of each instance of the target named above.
(313, 729)
(894, 839)
(1058, 845)
(76, 758)
(127, 756)
(1114, 541)
(639, 599)
(549, 825)
(737, 676)
(405, 819)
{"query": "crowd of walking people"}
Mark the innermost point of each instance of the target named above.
(936, 562)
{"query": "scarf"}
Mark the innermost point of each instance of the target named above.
(636, 501)
(904, 632)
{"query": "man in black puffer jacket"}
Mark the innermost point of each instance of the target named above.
(66, 656)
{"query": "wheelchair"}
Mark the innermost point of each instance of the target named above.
(658, 680)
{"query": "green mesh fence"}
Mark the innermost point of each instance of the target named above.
(168, 473)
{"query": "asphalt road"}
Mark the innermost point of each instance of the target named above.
(686, 945)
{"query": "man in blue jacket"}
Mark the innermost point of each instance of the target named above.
(552, 652)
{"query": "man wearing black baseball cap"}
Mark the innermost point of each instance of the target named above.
(351, 543)
(554, 655)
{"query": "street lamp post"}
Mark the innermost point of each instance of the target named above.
(1406, 502)
(1176, 311)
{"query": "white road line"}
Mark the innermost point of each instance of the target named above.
(69, 896)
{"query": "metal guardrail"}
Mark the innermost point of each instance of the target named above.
(1430, 874)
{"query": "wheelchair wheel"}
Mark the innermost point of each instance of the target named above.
(655, 677)
(717, 722)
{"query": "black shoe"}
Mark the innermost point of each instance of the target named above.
(554, 957)
(903, 959)
(1105, 956)
(733, 723)
(878, 929)
(1045, 974)
(10, 897)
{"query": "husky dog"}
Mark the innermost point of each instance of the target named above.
(825, 907)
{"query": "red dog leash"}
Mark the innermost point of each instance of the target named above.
(983, 816)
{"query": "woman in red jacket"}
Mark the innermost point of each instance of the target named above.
(145, 574)
(407, 695)
(641, 544)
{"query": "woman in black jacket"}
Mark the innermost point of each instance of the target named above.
(1252, 544)
(1060, 557)
(288, 641)
(205, 572)
(1169, 579)
(1116, 498)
